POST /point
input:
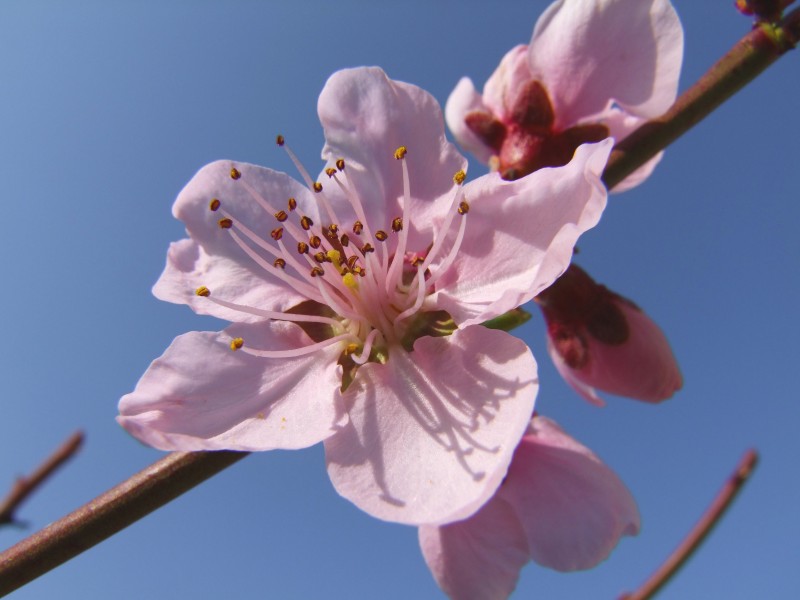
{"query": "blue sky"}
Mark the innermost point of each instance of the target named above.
(108, 109)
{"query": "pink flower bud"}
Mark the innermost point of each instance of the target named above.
(600, 340)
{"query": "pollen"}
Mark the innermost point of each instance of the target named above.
(281, 216)
(302, 247)
(317, 272)
(292, 203)
(225, 223)
(350, 281)
(236, 344)
(400, 153)
(459, 177)
(235, 173)
(306, 223)
(214, 204)
(340, 164)
(320, 257)
(350, 349)
(333, 229)
(463, 207)
(330, 171)
(203, 291)
(279, 139)
(314, 241)
(334, 256)
(397, 224)
(279, 263)
(381, 235)
(317, 187)
(277, 233)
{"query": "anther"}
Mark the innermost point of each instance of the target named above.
(292, 203)
(235, 173)
(463, 207)
(306, 223)
(397, 224)
(417, 261)
(279, 140)
(236, 344)
(350, 349)
(302, 248)
(330, 171)
(214, 204)
(225, 223)
(381, 235)
(351, 262)
(277, 233)
(400, 153)
(367, 248)
(317, 272)
(459, 177)
(340, 164)
(333, 229)
(345, 240)
(320, 257)
(315, 241)
(358, 227)
(279, 263)
(317, 187)
(203, 291)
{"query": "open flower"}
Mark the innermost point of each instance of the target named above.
(600, 340)
(593, 69)
(356, 301)
(559, 506)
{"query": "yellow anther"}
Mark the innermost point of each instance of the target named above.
(350, 281)
(340, 164)
(330, 171)
(463, 207)
(225, 223)
(317, 187)
(203, 291)
(350, 349)
(335, 257)
(279, 140)
(400, 153)
(214, 204)
(235, 173)
(236, 344)
(459, 177)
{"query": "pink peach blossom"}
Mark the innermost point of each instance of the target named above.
(356, 302)
(593, 68)
(600, 340)
(559, 505)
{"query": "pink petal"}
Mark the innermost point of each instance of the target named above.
(366, 117)
(189, 267)
(643, 367)
(621, 125)
(218, 255)
(520, 235)
(569, 375)
(503, 86)
(463, 100)
(587, 53)
(572, 507)
(479, 558)
(431, 433)
(200, 395)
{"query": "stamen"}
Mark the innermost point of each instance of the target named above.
(317, 272)
(281, 216)
(292, 204)
(275, 315)
(417, 303)
(358, 227)
(400, 153)
(344, 240)
(279, 140)
(235, 173)
(306, 223)
(203, 291)
(333, 229)
(463, 207)
(397, 224)
(317, 187)
(330, 171)
(350, 281)
(364, 356)
(277, 233)
(302, 248)
(315, 241)
(236, 344)
(367, 248)
(214, 204)
(394, 274)
(279, 263)
(297, 351)
(459, 177)
(445, 264)
(381, 235)
(320, 257)
(340, 164)
(225, 223)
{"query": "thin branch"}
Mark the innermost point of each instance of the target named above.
(703, 527)
(25, 486)
(743, 63)
(104, 516)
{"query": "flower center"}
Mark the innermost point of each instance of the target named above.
(366, 288)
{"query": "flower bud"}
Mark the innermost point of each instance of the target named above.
(600, 340)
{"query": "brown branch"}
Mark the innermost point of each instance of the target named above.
(25, 486)
(104, 516)
(699, 532)
(743, 63)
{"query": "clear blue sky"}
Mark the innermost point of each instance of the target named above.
(107, 109)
